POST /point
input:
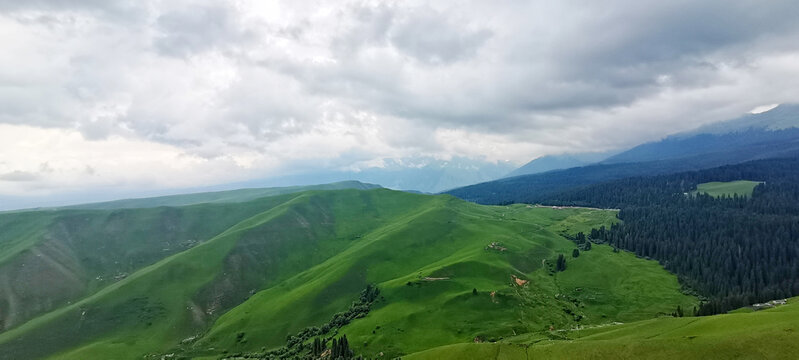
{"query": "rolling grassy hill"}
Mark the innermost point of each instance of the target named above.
(291, 261)
(728, 188)
(227, 196)
(766, 334)
(52, 257)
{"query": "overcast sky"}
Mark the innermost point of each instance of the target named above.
(98, 94)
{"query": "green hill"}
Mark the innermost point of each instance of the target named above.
(274, 266)
(71, 253)
(227, 196)
(766, 334)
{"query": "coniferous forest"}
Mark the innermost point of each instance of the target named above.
(733, 250)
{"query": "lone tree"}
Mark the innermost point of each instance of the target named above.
(575, 253)
(560, 265)
(474, 291)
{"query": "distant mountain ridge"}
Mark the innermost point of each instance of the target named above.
(557, 162)
(421, 174)
(708, 138)
(784, 116)
(777, 125)
(759, 136)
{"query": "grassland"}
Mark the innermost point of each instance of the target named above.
(53, 257)
(766, 334)
(730, 188)
(297, 259)
(226, 196)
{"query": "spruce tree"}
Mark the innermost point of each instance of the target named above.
(560, 264)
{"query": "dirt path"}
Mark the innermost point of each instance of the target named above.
(571, 207)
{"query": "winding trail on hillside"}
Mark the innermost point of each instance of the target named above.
(672, 330)
(571, 207)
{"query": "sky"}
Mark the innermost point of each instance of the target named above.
(124, 97)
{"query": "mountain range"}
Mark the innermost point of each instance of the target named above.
(705, 139)
(774, 133)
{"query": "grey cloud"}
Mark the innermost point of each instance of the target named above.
(422, 33)
(11, 5)
(27, 176)
(591, 55)
(197, 29)
(624, 46)
(45, 168)
(529, 72)
(431, 37)
(370, 28)
(19, 176)
(99, 129)
(121, 11)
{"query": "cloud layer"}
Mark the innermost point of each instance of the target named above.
(157, 94)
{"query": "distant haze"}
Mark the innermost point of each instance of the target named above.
(108, 99)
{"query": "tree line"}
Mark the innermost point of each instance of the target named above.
(734, 250)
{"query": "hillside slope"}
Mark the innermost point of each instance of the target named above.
(710, 241)
(307, 256)
(52, 257)
(766, 334)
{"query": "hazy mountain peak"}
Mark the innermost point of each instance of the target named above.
(562, 161)
(783, 116)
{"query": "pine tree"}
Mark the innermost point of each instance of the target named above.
(560, 264)
(335, 350)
